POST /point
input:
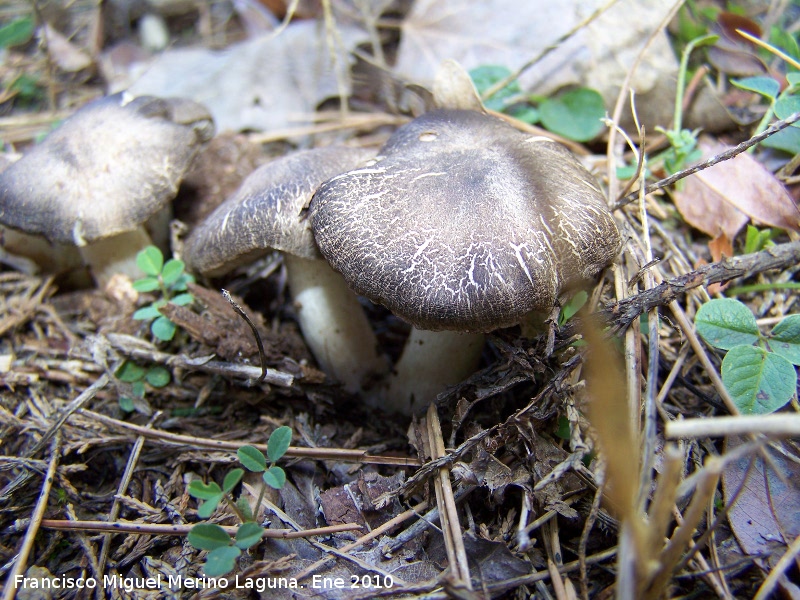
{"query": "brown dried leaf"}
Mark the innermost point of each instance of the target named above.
(69, 57)
(720, 199)
(766, 514)
(732, 53)
(720, 247)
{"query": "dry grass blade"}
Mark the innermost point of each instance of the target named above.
(162, 529)
(293, 452)
(682, 536)
(782, 425)
(36, 520)
(122, 489)
(451, 527)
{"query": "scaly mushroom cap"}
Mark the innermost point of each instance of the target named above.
(266, 212)
(105, 170)
(464, 223)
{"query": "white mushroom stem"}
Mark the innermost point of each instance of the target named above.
(333, 323)
(115, 254)
(431, 361)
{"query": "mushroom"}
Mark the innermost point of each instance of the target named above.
(460, 226)
(99, 176)
(268, 213)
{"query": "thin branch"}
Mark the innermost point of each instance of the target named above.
(164, 529)
(35, 522)
(783, 425)
(358, 456)
(621, 314)
(722, 156)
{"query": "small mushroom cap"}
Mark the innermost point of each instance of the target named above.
(105, 170)
(267, 211)
(464, 223)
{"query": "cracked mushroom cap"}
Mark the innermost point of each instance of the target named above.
(266, 212)
(105, 170)
(464, 223)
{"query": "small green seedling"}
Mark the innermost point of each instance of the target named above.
(576, 114)
(170, 279)
(572, 307)
(222, 549)
(17, 32)
(758, 239)
(683, 142)
(129, 372)
(781, 105)
(759, 370)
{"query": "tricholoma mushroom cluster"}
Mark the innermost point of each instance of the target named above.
(460, 226)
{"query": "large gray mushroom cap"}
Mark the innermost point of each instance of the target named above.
(464, 223)
(266, 212)
(105, 170)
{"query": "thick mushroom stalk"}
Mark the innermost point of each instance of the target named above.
(462, 224)
(115, 255)
(98, 177)
(431, 361)
(267, 213)
(333, 324)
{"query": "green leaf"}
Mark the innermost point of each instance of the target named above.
(182, 299)
(150, 261)
(245, 509)
(725, 323)
(756, 239)
(221, 561)
(126, 404)
(231, 479)
(275, 477)
(759, 382)
(786, 140)
(203, 491)
(793, 79)
(172, 270)
(785, 339)
(573, 306)
(526, 114)
(149, 312)
(278, 443)
(163, 329)
(146, 284)
(785, 41)
(575, 114)
(158, 376)
(129, 371)
(248, 534)
(787, 105)
(180, 284)
(766, 86)
(17, 32)
(208, 536)
(252, 458)
(138, 389)
(207, 508)
(486, 76)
